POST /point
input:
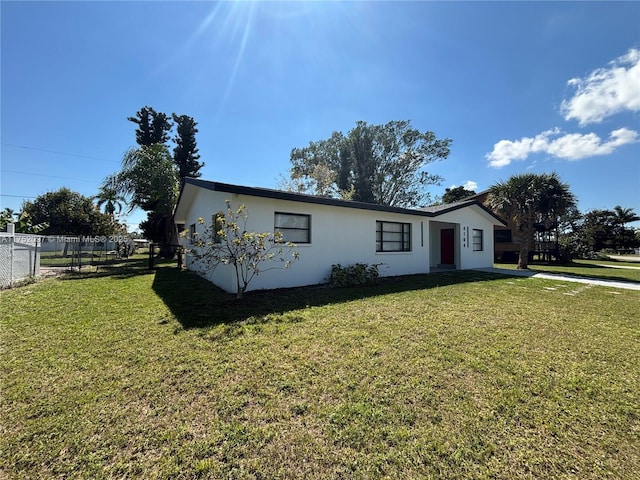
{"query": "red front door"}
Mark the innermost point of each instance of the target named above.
(446, 246)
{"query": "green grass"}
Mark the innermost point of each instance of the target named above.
(126, 373)
(605, 269)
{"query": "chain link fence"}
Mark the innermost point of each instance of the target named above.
(19, 257)
(75, 252)
(23, 256)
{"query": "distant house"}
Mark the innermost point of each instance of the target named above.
(329, 231)
(507, 238)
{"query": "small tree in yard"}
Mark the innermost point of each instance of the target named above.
(226, 241)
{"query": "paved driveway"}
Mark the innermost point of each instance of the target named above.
(565, 278)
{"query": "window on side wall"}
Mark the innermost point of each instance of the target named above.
(476, 240)
(216, 226)
(393, 237)
(295, 227)
(192, 233)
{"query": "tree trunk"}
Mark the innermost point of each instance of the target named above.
(170, 245)
(523, 258)
(525, 245)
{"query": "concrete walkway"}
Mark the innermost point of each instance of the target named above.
(565, 278)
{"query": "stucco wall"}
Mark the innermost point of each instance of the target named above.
(345, 236)
(338, 235)
(464, 221)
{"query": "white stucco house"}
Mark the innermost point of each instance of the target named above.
(328, 231)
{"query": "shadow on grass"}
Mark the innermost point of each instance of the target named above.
(196, 302)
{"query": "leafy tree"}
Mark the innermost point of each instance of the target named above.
(148, 180)
(456, 194)
(68, 213)
(185, 153)
(153, 127)
(22, 222)
(597, 229)
(381, 164)
(529, 199)
(605, 230)
(7, 216)
(228, 242)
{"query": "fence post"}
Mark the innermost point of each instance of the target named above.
(13, 241)
(35, 256)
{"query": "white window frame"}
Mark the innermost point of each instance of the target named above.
(477, 240)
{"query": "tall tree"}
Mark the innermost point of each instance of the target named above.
(153, 127)
(185, 153)
(149, 180)
(528, 199)
(381, 164)
(68, 213)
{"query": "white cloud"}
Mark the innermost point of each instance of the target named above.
(605, 91)
(470, 185)
(570, 146)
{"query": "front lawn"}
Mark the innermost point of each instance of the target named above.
(126, 373)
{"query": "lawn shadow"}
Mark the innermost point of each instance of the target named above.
(196, 303)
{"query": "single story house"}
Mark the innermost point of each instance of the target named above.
(329, 231)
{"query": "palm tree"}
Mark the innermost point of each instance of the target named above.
(528, 199)
(625, 215)
(109, 197)
(149, 180)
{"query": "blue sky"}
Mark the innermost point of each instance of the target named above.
(519, 87)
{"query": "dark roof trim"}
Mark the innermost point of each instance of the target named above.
(304, 198)
(450, 207)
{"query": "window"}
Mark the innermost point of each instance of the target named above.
(217, 225)
(294, 227)
(502, 236)
(393, 237)
(192, 233)
(477, 240)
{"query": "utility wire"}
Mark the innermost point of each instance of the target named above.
(56, 152)
(49, 176)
